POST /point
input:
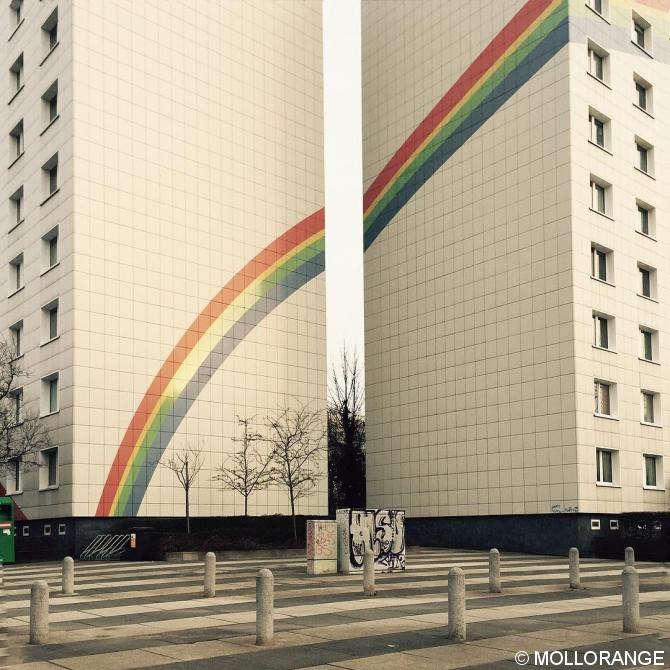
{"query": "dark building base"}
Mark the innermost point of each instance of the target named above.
(154, 536)
(595, 535)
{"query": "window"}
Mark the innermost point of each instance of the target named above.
(50, 170)
(598, 6)
(15, 7)
(26, 531)
(649, 343)
(50, 102)
(604, 398)
(50, 32)
(653, 471)
(599, 132)
(16, 274)
(614, 524)
(595, 524)
(650, 409)
(62, 528)
(603, 331)
(50, 248)
(50, 394)
(647, 281)
(601, 196)
(48, 474)
(16, 204)
(643, 94)
(598, 65)
(16, 396)
(16, 75)
(15, 476)
(646, 219)
(601, 263)
(605, 466)
(47, 529)
(16, 332)
(16, 141)
(641, 32)
(645, 156)
(50, 321)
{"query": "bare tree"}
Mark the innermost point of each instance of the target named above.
(186, 465)
(249, 471)
(346, 434)
(22, 434)
(297, 435)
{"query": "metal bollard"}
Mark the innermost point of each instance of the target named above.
(68, 576)
(369, 573)
(210, 574)
(39, 612)
(456, 623)
(630, 556)
(264, 607)
(494, 571)
(630, 600)
(573, 559)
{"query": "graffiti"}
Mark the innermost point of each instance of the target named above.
(381, 530)
(321, 547)
(557, 509)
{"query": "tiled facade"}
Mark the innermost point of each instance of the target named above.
(189, 142)
(479, 295)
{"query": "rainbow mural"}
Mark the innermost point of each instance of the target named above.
(525, 44)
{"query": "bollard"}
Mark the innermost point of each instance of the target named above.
(210, 574)
(456, 623)
(369, 573)
(630, 556)
(68, 576)
(494, 571)
(630, 600)
(573, 559)
(39, 612)
(264, 607)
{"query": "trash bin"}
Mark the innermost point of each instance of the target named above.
(7, 530)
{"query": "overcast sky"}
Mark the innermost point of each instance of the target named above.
(343, 169)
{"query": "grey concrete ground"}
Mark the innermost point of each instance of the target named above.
(144, 615)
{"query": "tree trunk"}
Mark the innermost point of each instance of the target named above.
(246, 505)
(295, 530)
(188, 515)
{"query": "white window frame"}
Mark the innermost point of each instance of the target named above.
(598, 319)
(658, 463)
(604, 8)
(598, 384)
(16, 338)
(596, 117)
(595, 51)
(47, 240)
(652, 281)
(15, 476)
(16, 203)
(655, 397)
(596, 251)
(44, 484)
(47, 311)
(651, 219)
(17, 279)
(598, 185)
(600, 481)
(648, 108)
(643, 145)
(645, 28)
(46, 381)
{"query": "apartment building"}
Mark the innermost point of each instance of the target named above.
(516, 270)
(162, 211)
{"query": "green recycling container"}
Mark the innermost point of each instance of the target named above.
(7, 530)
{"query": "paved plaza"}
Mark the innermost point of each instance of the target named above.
(145, 615)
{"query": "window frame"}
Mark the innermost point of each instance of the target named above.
(658, 472)
(44, 474)
(598, 385)
(613, 467)
(652, 281)
(598, 252)
(600, 318)
(648, 396)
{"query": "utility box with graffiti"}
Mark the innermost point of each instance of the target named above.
(321, 547)
(382, 530)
